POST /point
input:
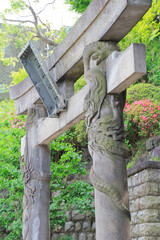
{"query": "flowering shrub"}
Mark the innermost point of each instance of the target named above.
(142, 119)
(16, 122)
(11, 181)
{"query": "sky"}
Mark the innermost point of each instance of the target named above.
(58, 13)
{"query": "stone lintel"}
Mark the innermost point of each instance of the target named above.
(142, 166)
(121, 71)
(126, 68)
(20, 89)
(103, 20)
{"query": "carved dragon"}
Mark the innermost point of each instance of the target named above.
(27, 170)
(104, 117)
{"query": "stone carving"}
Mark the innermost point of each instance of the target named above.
(27, 170)
(31, 175)
(104, 113)
(104, 120)
(110, 191)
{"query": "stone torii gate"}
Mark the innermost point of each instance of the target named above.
(108, 72)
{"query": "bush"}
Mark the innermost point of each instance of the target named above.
(11, 181)
(142, 120)
(69, 191)
(143, 91)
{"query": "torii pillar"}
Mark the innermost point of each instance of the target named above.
(35, 167)
(105, 128)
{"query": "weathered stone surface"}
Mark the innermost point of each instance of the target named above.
(82, 236)
(74, 236)
(55, 236)
(78, 226)
(133, 60)
(78, 216)
(143, 166)
(62, 234)
(137, 179)
(149, 202)
(90, 236)
(144, 203)
(69, 226)
(152, 143)
(51, 128)
(21, 88)
(145, 216)
(35, 168)
(87, 226)
(147, 188)
(104, 122)
(135, 205)
(93, 226)
(155, 154)
(153, 175)
(141, 159)
(147, 238)
(129, 182)
(69, 215)
(147, 229)
(146, 175)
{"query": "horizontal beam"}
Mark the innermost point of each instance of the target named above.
(125, 68)
(126, 64)
(121, 71)
(50, 128)
(102, 20)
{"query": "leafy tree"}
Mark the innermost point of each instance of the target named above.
(147, 31)
(15, 23)
(18, 76)
(78, 5)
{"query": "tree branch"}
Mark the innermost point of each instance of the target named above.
(19, 21)
(46, 6)
(38, 33)
(44, 24)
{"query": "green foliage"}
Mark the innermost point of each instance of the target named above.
(153, 61)
(18, 76)
(78, 5)
(65, 238)
(11, 182)
(80, 83)
(19, 33)
(8, 34)
(143, 91)
(147, 31)
(69, 191)
(61, 34)
(81, 134)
